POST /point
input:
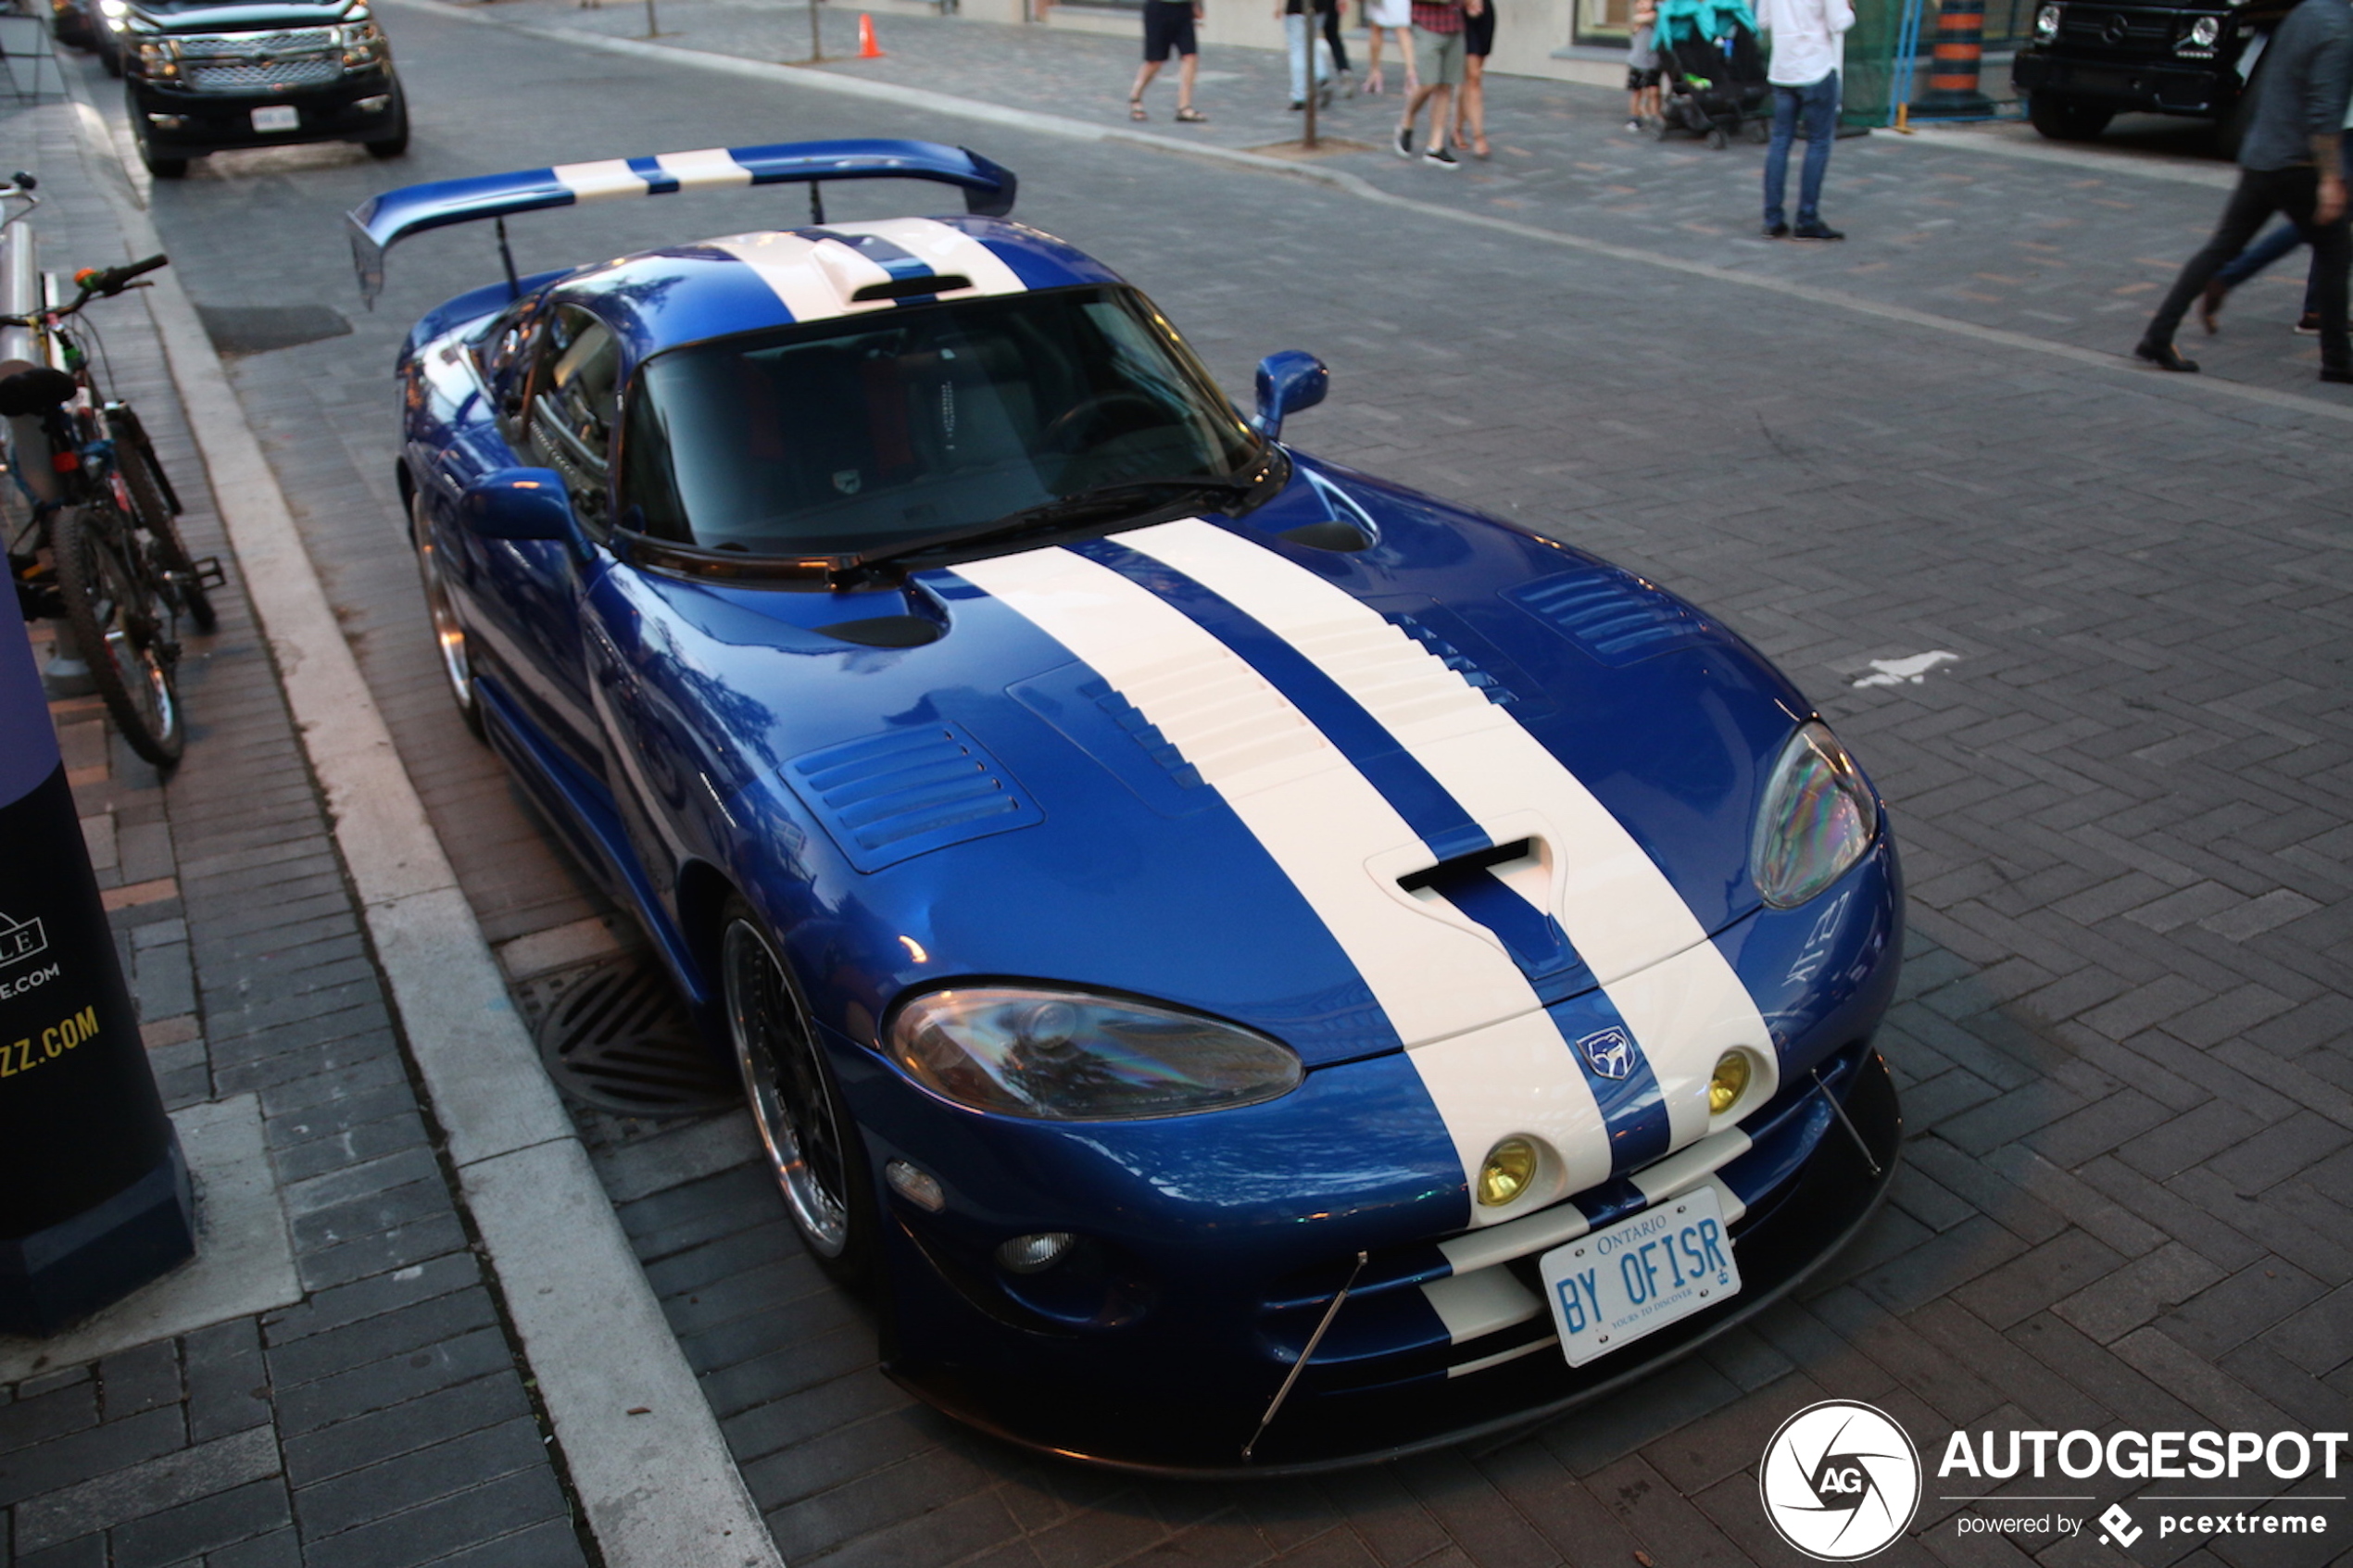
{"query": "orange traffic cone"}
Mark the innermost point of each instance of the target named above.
(867, 48)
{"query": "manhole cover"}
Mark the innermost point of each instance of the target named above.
(614, 1036)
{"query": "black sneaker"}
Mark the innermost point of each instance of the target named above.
(1298, 105)
(1403, 141)
(1814, 229)
(2309, 324)
(1443, 157)
(1775, 231)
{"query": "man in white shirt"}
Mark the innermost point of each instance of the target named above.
(1809, 39)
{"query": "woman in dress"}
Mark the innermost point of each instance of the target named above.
(1394, 16)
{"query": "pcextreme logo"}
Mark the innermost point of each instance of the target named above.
(1841, 1481)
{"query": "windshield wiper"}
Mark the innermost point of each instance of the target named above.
(1061, 512)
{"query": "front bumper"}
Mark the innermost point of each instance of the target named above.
(1211, 1246)
(2148, 86)
(219, 122)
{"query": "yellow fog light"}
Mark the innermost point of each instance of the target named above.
(1730, 1083)
(1511, 1165)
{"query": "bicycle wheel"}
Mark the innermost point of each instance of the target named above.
(150, 502)
(124, 623)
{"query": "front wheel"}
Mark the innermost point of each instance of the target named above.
(150, 502)
(2067, 119)
(449, 631)
(124, 623)
(814, 1151)
(394, 145)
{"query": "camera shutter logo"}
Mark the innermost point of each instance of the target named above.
(1841, 1481)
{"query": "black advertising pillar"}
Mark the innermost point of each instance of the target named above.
(93, 1193)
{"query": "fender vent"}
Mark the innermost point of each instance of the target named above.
(893, 797)
(1612, 615)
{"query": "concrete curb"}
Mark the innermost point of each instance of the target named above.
(659, 1487)
(1362, 190)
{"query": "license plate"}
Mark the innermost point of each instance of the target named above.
(276, 116)
(1635, 1277)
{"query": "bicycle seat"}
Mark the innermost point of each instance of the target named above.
(35, 391)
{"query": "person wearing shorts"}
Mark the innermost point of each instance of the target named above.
(1641, 67)
(1438, 49)
(1169, 24)
(1395, 17)
(1470, 106)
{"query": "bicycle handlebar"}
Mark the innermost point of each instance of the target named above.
(98, 282)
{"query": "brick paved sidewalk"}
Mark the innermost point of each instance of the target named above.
(380, 1414)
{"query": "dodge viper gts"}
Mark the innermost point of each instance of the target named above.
(1245, 966)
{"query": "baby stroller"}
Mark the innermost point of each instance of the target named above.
(1713, 72)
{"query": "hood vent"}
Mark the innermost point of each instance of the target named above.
(1454, 658)
(896, 795)
(1612, 615)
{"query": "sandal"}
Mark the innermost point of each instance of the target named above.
(1135, 110)
(1191, 116)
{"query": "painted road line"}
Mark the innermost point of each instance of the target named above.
(658, 1488)
(2153, 381)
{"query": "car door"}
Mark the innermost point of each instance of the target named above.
(530, 610)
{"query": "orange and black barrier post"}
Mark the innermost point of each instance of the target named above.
(1960, 49)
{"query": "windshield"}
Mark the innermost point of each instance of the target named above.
(852, 435)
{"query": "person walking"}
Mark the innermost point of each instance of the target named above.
(1437, 47)
(2284, 237)
(1470, 107)
(1169, 25)
(1299, 35)
(1339, 47)
(2290, 163)
(1396, 19)
(1641, 67)
(1809, 41)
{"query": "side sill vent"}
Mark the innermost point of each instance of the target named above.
(1614, 616)
(896, 795)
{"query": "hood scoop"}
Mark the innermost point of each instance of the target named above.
(1614, 617)
(893, 797)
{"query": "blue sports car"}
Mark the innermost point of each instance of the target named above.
(1246, 967)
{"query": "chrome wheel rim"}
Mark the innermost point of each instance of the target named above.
(449, 636)
(775, 1052)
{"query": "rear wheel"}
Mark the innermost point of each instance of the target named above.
(449, 631)
(2067, 119)
(124, 623)
(814, 1151)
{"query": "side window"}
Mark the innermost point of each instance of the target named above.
(575, 396)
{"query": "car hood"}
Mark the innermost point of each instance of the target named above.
(1138, 764)
(204, 18)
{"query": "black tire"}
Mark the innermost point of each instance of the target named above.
(162, 168)
(2067, 119)
(814, 1147)
(142, 476)
(1757, 131)
(125, 628)
(391, 146)
(450, 643)
(1717, 140)
(112, 60)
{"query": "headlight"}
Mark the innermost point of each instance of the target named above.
(2046, 22)
(362, 43)
(1063, 1056)
(2205, 30)
(1817, 819)
(158, 58)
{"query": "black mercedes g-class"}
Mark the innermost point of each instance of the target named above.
(206, 77)
(2087, 63)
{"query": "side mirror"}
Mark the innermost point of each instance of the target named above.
(519, 504)
(1288, 382)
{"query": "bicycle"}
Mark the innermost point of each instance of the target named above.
(100, 551)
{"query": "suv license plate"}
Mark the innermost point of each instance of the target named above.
(1610, 1288)
(276, 116)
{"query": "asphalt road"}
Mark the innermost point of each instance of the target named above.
(2123, 803)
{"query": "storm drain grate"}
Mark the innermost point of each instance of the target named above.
(614, 1036)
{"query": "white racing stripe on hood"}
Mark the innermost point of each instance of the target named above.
(1677, 994)
(600, 180)
(1487, 1052)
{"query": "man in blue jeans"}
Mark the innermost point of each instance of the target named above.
(1807, 40)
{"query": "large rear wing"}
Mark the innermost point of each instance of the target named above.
(382, 221)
